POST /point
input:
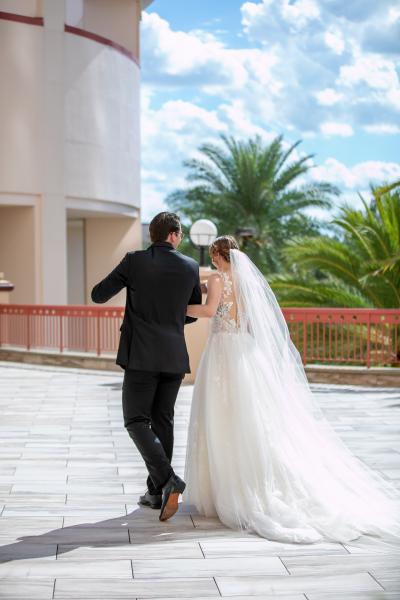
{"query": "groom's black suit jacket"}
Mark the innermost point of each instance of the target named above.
(160, 282)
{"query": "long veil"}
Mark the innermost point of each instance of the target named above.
(334, 488)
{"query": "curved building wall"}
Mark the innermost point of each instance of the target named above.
(21, 95)
(69, 141)
(102, 123)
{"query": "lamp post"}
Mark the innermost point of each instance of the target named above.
(202, 233)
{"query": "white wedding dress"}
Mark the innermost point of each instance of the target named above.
(261, 455)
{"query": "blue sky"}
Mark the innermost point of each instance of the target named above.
(323, 71)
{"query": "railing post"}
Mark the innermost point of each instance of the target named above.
(305, 339)
(61, 335)
(98, 335)
(369, 340)
(28, 331)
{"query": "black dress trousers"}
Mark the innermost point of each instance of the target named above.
(148, 403)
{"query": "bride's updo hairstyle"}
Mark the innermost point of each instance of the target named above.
(222, 245)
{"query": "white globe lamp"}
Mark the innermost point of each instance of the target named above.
(202, 233)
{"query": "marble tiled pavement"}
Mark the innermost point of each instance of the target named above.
(70, 526)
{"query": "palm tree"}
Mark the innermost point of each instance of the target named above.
(359, 267)
(247, 184)
(381, 197)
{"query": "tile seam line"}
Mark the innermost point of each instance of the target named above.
(378, 582)
(217, 586)
(280, 558)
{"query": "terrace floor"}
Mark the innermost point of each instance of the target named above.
(70, 526)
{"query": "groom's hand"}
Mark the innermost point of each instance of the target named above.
(195, 298)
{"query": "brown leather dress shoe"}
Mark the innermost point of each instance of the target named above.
(170, 496)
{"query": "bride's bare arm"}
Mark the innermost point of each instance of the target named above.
(209, 308)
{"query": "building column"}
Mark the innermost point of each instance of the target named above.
(51, 222)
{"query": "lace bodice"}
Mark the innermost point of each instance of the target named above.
(226, 319)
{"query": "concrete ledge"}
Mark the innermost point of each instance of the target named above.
(354, 375)
(78, 360)
(348, 375)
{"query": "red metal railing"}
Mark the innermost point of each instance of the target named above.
(322, 335)
(71, 328)
(346, 335)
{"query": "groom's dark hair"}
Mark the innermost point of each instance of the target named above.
(162, 225)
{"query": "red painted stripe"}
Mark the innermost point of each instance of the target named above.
(7, 16)
(102, 40)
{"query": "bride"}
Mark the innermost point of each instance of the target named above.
(261, 455)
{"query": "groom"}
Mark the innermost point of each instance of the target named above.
(160, 282)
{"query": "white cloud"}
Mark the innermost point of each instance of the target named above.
(375, 71)
(382, 128)
(307, 73)
(278, 14)
(328, 97)
(330, 128)
(334, 40)
(394, 14)
(175, 58)
(178, 52)
(328, 53)
(300, 13)
(239, 121)
(358, 176)
(178, 116)
(291, 81)
(358, 11)
(393, 97)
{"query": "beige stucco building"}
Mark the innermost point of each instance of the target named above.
(70, 144)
